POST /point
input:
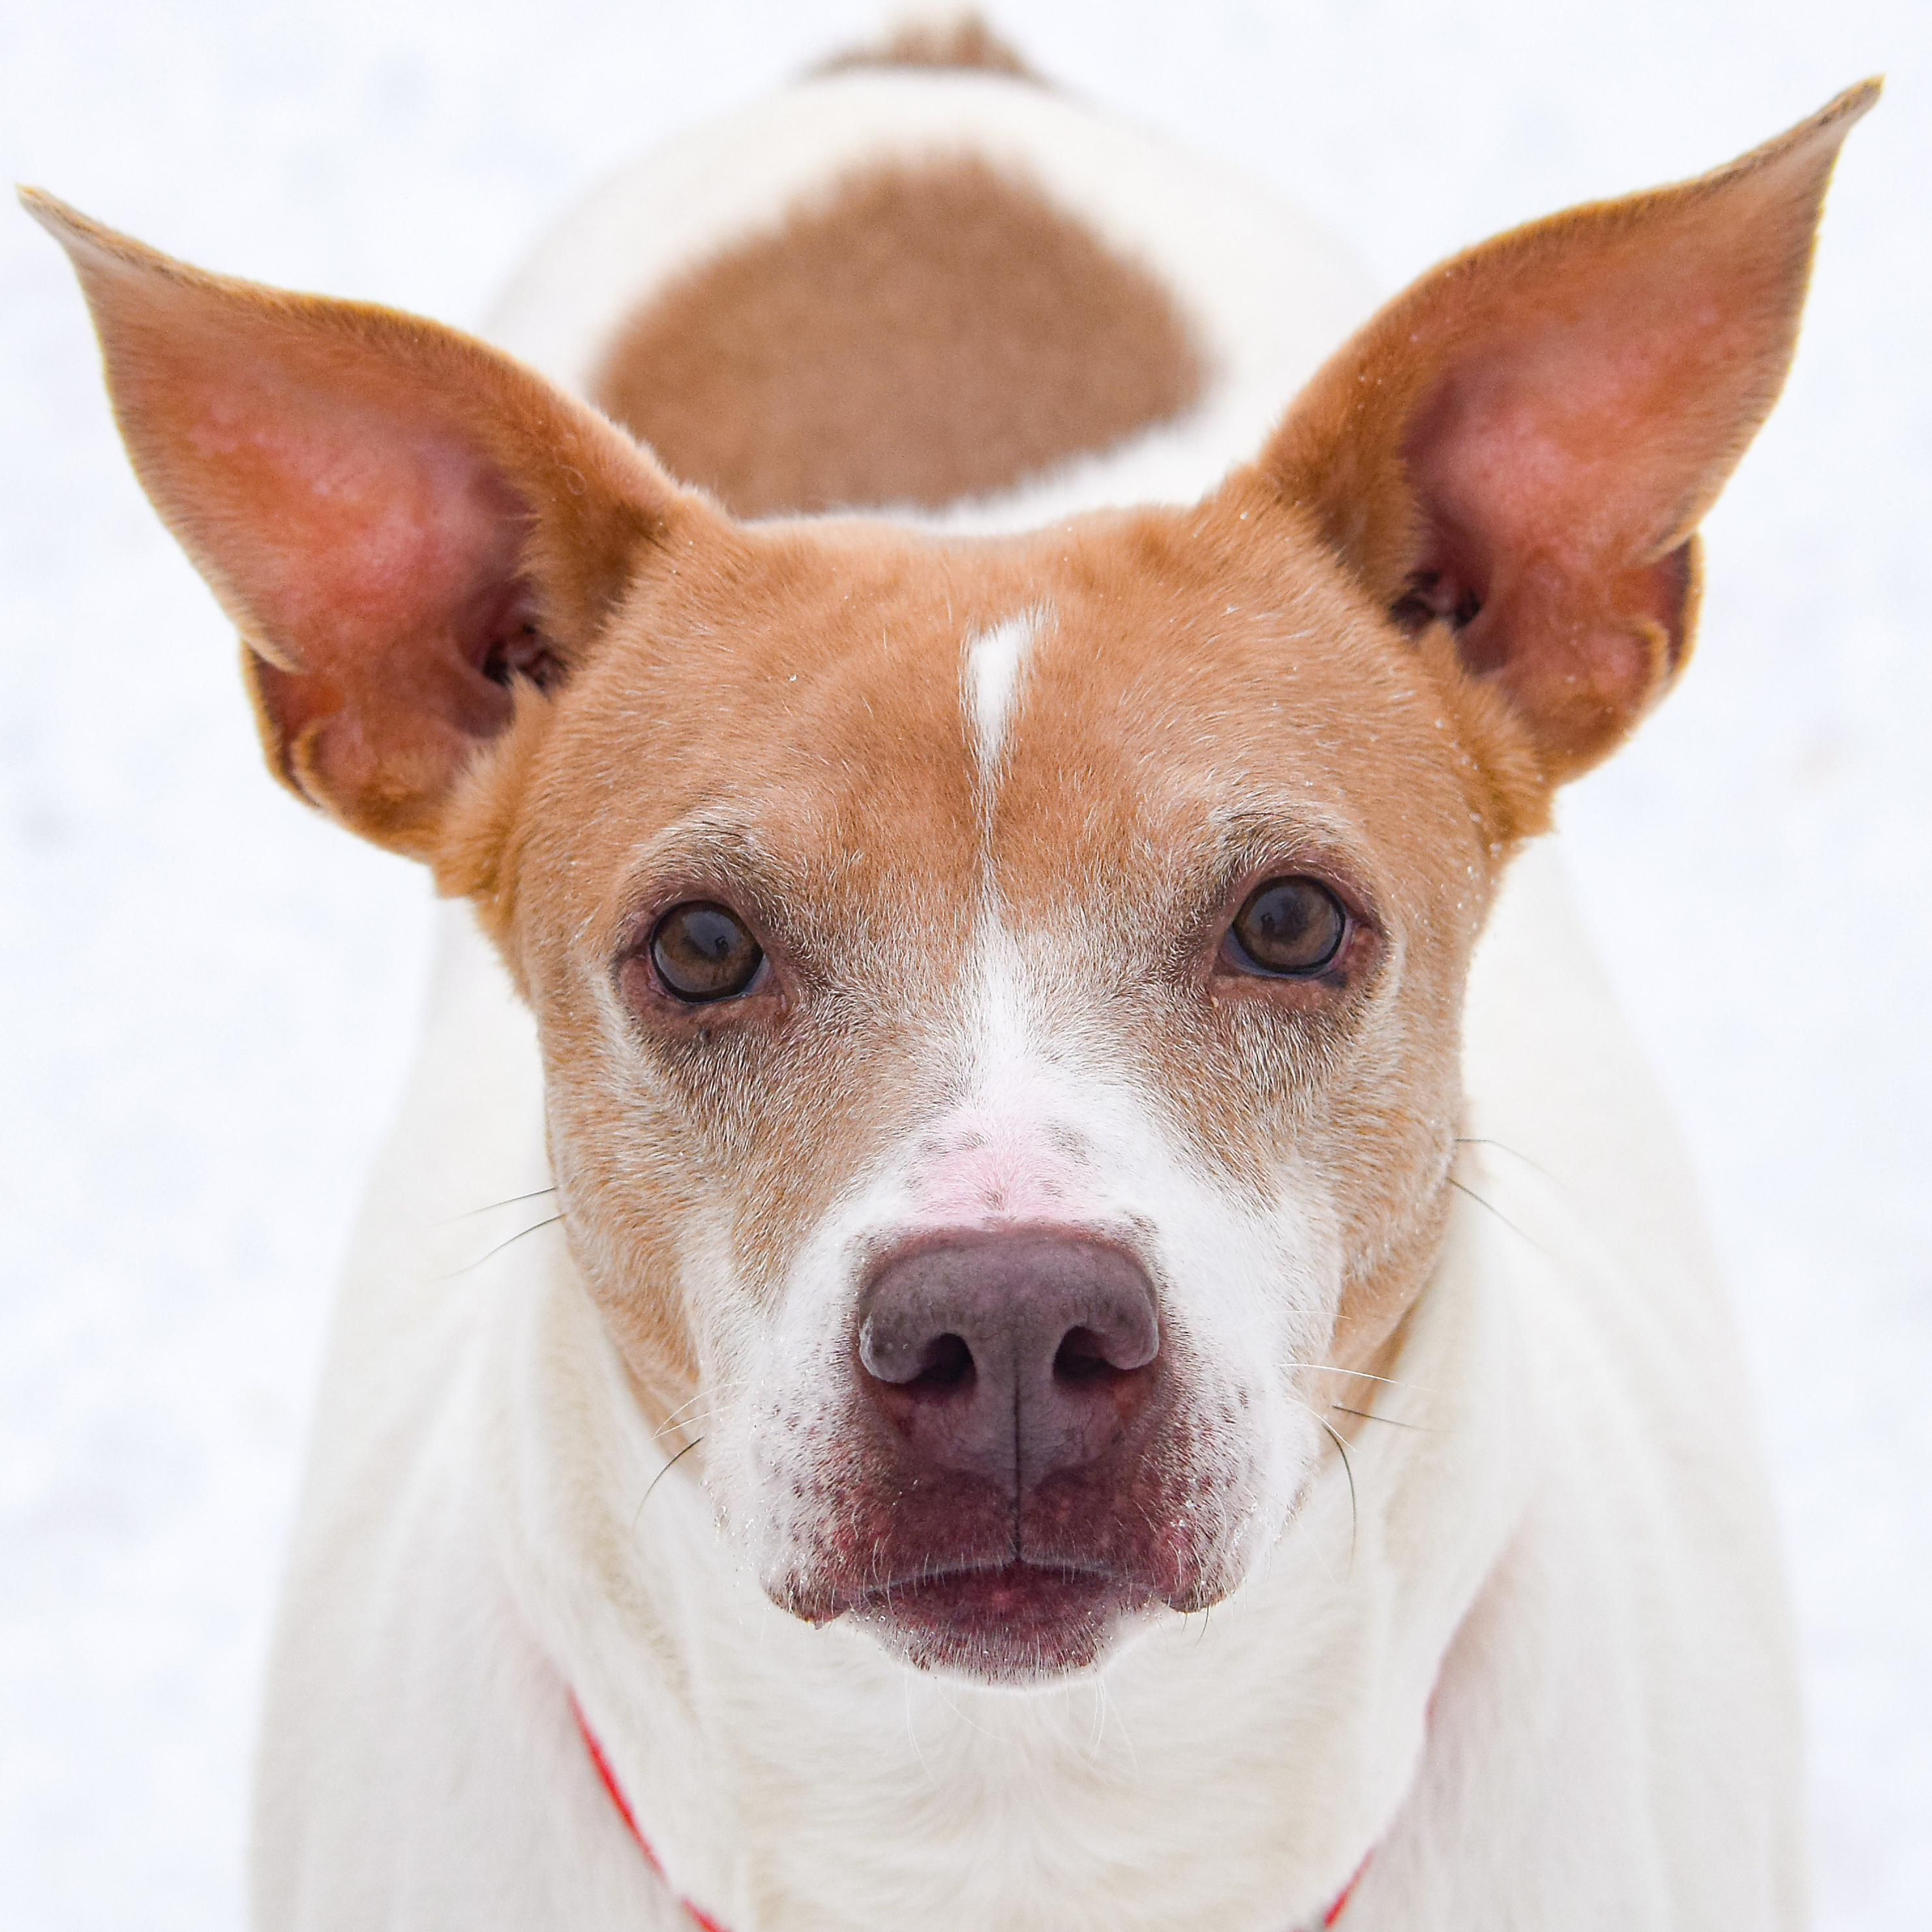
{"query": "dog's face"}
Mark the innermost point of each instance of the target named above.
(999, 999)
(1005, 1009)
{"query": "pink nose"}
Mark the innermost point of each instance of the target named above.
(1011, 1357)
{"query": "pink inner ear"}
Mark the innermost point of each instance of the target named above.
(1580, 437)
(1521, 445)
(370, 550)
(362, 542)
(1555, 455)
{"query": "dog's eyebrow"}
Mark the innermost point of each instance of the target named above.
(1284, 833)
(705, 849)
(713, 854)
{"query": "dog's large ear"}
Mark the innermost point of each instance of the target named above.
(1522, 443)
(401, 521)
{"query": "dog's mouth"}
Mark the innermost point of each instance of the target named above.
(1012, 1624)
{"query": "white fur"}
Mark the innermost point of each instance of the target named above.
(995, 664)
(1536, 1659)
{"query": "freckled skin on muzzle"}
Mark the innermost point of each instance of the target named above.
(1025, 1473)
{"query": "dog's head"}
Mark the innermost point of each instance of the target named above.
(999, 998)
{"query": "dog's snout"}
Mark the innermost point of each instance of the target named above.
(1014, 1358)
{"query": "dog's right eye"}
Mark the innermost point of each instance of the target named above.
(1290, 929)
(702, 951)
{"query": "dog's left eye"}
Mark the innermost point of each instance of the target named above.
(702, 951)
(1287, 927)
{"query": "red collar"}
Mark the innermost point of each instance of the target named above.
(704, 1918)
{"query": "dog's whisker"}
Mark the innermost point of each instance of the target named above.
(971, 1724)
(1361, 1375)
(1461, 1188)
(1110, 1709)
(703, 1418)
(490, 1206)
(912, 1732)
(535, 1227)
(1504, 1147)
(674, 1421)
(1348, 1470)
(661, 1475)
(1370, 1415)
(1315, 1547)
(676, 1426)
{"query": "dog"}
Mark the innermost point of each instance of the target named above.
(1111, 1333)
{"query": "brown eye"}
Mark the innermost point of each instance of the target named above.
(1288, 926)
(702, 951)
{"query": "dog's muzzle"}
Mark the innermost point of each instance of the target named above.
(1018, 1475)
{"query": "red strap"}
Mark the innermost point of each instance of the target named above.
(710, 1925)
(1335, 1911)
(625, 1812)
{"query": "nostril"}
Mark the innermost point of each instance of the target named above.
(984, 1329)
(947, 1366)
(1011, 1358)
(1082, 1357)
(909, 1357)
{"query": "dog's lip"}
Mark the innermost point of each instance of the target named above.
(986, 1597)
(1017, 1611)
(1003, 1622)
(969, 1583)
(978, 1574)
(989, 1571)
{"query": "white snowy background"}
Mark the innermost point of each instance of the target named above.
(207, 997)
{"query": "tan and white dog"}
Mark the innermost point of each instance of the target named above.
(1122, 1343)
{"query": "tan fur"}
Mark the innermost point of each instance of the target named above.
(842, 815)
(377, 503)
(965, 40)
(1207, 670)
(921, 334)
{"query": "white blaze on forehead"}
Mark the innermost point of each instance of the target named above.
(995, 663)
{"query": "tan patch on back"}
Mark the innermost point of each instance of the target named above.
(963, 41)
(926, 333)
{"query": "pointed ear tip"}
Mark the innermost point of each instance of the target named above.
(79, 234)
(102, 257)
(52, 214)
(1805, 155)
(1843, 113)
(1837, 117)
(1862, 96)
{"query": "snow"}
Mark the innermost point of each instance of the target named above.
(209, 995)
